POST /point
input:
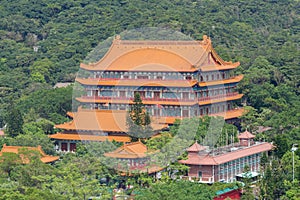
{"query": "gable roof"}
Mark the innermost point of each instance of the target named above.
(177, 56)
(131, 150)
(16, 149)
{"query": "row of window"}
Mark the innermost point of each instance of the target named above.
(171, 111)
(158, 94)
(240, 163)
(206, 76)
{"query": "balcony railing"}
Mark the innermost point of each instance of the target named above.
(198, 179)
(164, 99)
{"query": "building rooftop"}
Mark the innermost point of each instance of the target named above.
(131, 150)
(83, 137)
(18, 149)
(175, 56)
(102, 120)
(246, 135)
(137, 82)
(225, 154)
(196, 147)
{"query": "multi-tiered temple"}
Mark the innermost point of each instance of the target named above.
(176, 79)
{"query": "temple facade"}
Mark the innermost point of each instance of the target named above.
(225, 164)
(176, 79)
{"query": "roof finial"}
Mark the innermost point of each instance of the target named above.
(117, 39)
(206, 40)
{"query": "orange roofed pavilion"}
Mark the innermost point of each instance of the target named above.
(135, 156)
(18, 150)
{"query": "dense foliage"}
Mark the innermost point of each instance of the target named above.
(262, 35)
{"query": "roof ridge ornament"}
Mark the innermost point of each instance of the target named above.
(206, 40)
(117, 39)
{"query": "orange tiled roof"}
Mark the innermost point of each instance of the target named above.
(246, 135)
(226, 157)
(177, 56)
(196, 147)
(225, 98)
(70, 114)
(137, 82)
(131, 150)
(219, 67)
(101, 120)
(234, 79)
(146, 169)
(15, 149)
(82, 137)
(231, 114)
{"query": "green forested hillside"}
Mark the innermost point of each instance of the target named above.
(263, 35)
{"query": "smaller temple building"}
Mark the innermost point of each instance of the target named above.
(96, 126)
(225, 163)
(22, 150)
(135, 157)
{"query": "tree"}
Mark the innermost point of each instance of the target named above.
(281, 144)
(247, 190)
(14, 121)
(8, 161)
(138, 120)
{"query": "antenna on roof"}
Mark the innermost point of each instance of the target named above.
(226, 138)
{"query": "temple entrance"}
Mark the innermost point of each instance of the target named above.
(200, 174)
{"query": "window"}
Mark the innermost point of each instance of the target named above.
(122, 94)
(185, 113)
(156, 95)
(200, 174)
(72, 146)
(185, 95)
(64, 146)
(156, 112)
(142, 93)
(142, 77)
